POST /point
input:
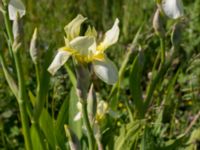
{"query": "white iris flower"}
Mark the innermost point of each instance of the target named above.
(85, 50)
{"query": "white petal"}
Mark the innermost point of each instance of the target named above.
(83, 44)
(106, 70)
(73, 28)
(173, 8)
(112, 35)
(59, 60)
(14, 7)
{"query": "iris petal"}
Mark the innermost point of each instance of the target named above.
(106, 70)
(173, 8)
(111, 36)
(59, 60)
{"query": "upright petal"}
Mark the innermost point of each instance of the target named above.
(173, 8)
(14, 7)
(73, 28)
(111, 36)
(59, 60)
(83, 44)
(91, 31)
(106, 70)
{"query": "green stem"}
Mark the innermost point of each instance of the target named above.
(22, 101)
(162, 46)
(91, 138)
(7, 24)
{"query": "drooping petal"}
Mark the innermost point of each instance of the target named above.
(173, 8)
(111, 36)
(59, 60)
(73, 28)
(106, 70)
(14, 7)
(83, 44)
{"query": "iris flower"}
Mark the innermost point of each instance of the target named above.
(173, 8)
(86, 50)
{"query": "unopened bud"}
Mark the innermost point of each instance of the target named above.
(176, 34)
(158, 23)
(17, 29)
(82, 74)
(91, 104)
(34, 52)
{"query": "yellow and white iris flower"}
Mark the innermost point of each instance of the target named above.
(85, 50)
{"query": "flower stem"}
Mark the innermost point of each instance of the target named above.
(22, 102)
(88, 126)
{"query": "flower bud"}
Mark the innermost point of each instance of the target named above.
(34, 52)
(17, 29)
(158, 24)
(91, 103)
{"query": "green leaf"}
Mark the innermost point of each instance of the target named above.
(148, 140)
(72, 77)
(129, 135)
(135, 85)
(11, 82)
(43, 86)
(75, 126)
(36, 139)
(32, 98)
(61, 120)
(46, 124)
(74, 143)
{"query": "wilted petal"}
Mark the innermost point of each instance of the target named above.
(111, 36)
(83, 44)
(173, 8)
(73, 28)
(14, 7)
(106, 70)
(59, 60)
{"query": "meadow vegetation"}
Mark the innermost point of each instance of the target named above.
(153, 104)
